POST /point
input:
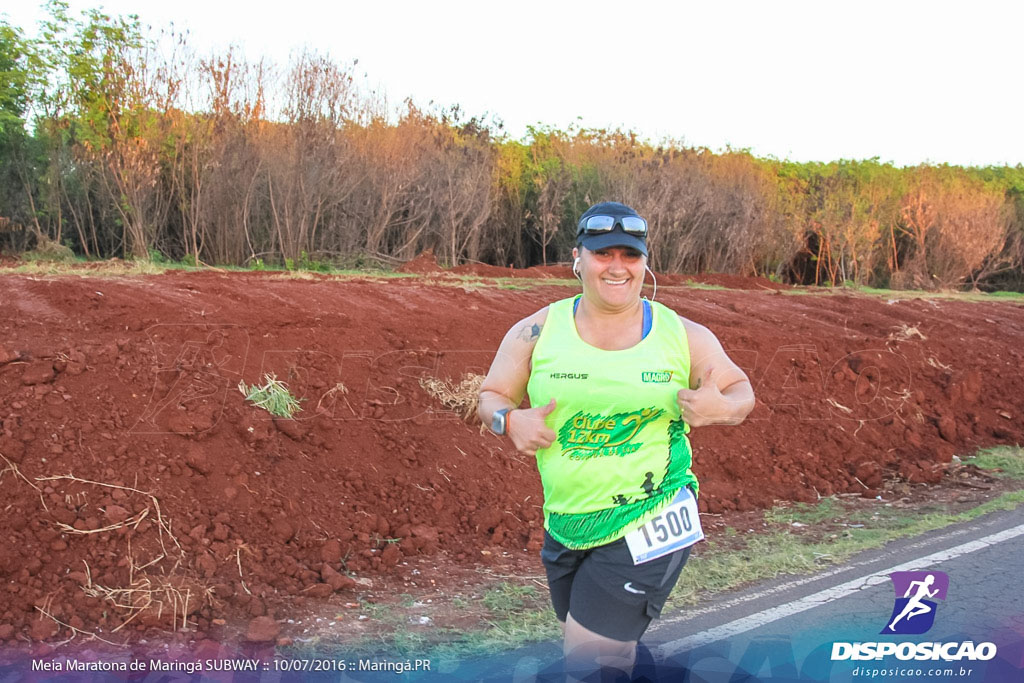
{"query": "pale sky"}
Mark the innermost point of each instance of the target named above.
(906, 81)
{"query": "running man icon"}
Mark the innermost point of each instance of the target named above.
(914, 612)
(914, 606)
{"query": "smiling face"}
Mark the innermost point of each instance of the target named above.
(613, 276)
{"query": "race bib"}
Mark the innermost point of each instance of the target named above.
(677, 527)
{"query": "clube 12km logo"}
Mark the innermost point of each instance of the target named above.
(913, 613)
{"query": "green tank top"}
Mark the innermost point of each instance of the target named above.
(621, 452)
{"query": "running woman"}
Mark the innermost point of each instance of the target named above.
(615, 382)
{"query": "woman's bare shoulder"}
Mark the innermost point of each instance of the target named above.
(693, 328)
(528, 329)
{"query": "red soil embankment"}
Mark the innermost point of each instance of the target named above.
(187, 503)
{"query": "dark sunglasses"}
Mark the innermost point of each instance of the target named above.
(597, 224)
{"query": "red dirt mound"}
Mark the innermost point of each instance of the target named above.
(535, 272)
(141, 491)
(426, 264)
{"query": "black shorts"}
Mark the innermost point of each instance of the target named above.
(604, 591)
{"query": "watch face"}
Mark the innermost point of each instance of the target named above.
(498, 422)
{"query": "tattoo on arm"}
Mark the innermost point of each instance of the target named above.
(529, 333)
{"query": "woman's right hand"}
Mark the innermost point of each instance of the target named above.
(529, 431)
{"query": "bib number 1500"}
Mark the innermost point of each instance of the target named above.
(677, 527)
(668, 525)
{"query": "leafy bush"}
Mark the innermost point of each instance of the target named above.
(49, 250)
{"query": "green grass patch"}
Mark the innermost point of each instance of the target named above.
(57, 260)
(517, 614)
(506, 598)
(530, 625)
(96, 267)
(108, 268)
(905, 294)
(804, 513)
(75, 268)
(273, 396)
(698, 285)
(1000, 461)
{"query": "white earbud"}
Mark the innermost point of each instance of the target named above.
(575, 268)
(655, 293)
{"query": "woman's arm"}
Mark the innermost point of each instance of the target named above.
(505, 386)
(720, 392)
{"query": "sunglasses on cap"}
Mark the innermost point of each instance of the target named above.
(600, 223)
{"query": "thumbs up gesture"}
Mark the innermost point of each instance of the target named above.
(704, 405)
(528, 428)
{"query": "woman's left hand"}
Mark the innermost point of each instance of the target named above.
(705, 405)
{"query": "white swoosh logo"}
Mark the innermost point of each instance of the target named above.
(629, 586)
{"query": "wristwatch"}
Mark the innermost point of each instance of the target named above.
(499, 421)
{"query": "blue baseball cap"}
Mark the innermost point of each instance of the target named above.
(612, 224)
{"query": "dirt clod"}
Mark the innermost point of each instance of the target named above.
(318, 590)
(116, 514)
(293, 429)
(262, 630)
(283, 530)
(8, 355)
(38, 372)
(43, 628)
(330, 552)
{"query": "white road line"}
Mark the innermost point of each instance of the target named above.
(692, 613)
(753, 621)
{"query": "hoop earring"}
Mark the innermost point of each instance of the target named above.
(655, 293)
(575, 269)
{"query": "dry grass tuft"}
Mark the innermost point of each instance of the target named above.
(75, 632)
(840, 406)
(339, 389)
(132, 522)
(168, 598)
(163, 526)
(462, 397)
(156, 598)
(905, 333)
(11, 467)
(295, 275)
(939, 365)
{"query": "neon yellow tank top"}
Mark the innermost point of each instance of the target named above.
(621, 452)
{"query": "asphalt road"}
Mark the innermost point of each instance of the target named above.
(784, 630)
